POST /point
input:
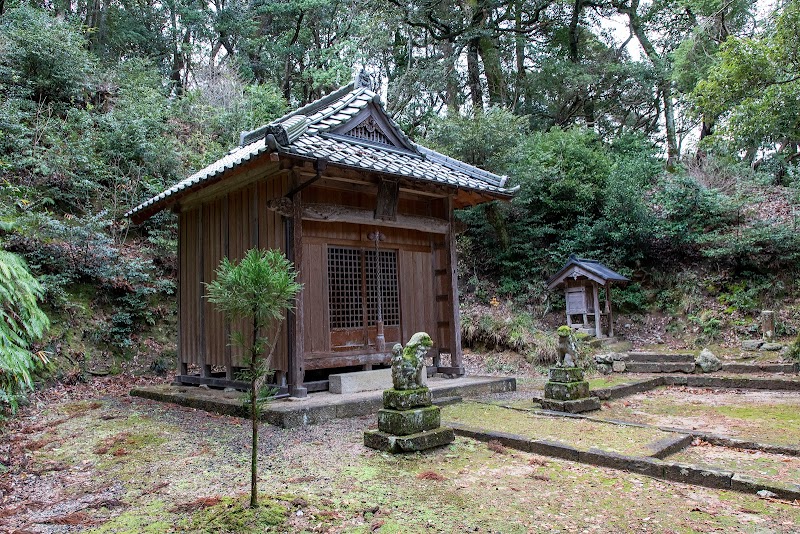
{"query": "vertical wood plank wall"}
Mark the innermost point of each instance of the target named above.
(227, 225)
(234, 221)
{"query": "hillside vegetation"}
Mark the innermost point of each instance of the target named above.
(105, 104)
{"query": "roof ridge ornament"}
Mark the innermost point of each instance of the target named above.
(363, 79)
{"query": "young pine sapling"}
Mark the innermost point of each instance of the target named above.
(259, 289)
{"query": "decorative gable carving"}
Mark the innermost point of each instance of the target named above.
(372, 126)
(370, 130)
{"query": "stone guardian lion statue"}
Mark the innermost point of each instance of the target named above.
(408, 364)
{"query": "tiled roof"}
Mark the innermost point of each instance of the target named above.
(592, 266)
(307, 132)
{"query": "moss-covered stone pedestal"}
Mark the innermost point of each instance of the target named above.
(567, 391)
(408, 422)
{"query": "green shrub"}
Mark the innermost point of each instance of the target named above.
(21, 324)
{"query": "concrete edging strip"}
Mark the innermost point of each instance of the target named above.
(648, 466)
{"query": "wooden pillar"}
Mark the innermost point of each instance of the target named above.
(585, 305)
(456, 357)
(566, 302)
(201, 245)
(608, 310)
(296, 329)
(226, 253)
(596, 295)
(179, 348)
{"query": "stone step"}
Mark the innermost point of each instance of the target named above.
(760, 367)
(658, 357)
(654, 367)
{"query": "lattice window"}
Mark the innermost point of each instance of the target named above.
(389, 294)
(353, 273)
(345, 288)
(371, 131)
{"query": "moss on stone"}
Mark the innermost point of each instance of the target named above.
(405, 422)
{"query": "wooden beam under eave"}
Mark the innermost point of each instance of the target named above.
(347, 214)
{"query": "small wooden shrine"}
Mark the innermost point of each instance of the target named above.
(582, 279)
(365, 214)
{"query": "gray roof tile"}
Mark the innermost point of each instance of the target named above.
(311, 140)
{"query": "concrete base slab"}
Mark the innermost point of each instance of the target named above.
(375, 380)
(318, 407)
(375, 439)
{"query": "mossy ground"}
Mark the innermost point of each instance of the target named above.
(187, 470)
(763, 416)
(762, 465)
(609, 381)
(579, 433)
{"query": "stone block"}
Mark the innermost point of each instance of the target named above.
(747, 484)
(659, 357)
(604, 368)
(375, 439)
(618, 366)
(405, 399)
(752, 344)
(670, 445)
(554, 448)
(360, 381)
(646, 466)
(665, 367)
(585, 404)
(405, 422)
(689, 474)
(771, 346)
(566, 374)
(566, 390)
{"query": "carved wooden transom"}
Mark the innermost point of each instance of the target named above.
(371, 131)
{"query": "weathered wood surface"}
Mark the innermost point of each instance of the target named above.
(297, 341)
(336, 213)
(226, 225)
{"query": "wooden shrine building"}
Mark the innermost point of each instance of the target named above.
(582, 280)
(365, 214)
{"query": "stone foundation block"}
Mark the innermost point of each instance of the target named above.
(618, 367)
(405, 399)
(646, 466)
(586, 404)
(566, 374)
(405, 422)
(376, 439)
(689, 474)
(565, 391)
(360, 381)
(554, 448)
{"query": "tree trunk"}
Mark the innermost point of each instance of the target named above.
(254, 418)
(664, 83)
(706, 129)
(497, 221)
(494, 73)
(669, 122)
(451, 78)
(519, 57)
(474, 76)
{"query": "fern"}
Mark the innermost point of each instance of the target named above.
(21, 323)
